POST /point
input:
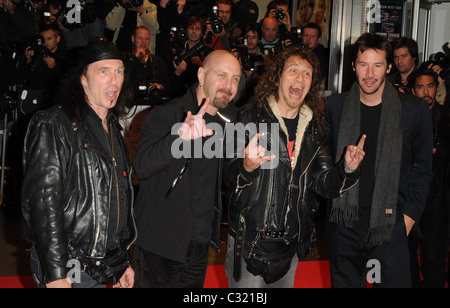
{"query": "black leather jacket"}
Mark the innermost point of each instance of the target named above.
(66, 191)
(262, 201)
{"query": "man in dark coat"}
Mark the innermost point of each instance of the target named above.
(372, 220)
(179, 202)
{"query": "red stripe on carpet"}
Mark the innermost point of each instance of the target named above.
(310, 274)
(15, 282)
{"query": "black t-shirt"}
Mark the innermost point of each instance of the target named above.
(370, 123)
(205, 194)
(292, 219)
(118, 207)
(291, 125)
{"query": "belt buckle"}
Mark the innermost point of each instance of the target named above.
(273, 234)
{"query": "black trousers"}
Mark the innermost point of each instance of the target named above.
(433, 225)
(153, 271)
(351, 258)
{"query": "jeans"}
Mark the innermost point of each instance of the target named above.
(86, 282)
(248, 280)
(154, 271)
(351, 258)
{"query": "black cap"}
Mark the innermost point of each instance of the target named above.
(99, 49)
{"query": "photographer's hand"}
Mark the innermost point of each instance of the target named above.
(437, 69)
(286, 21)
(197, 61)
(139, 9)
(51, 63)
(163, 3)
(181, 5)
(180, 69)
(273, 13)
(9, 6)
(29, 54)
(139, 52)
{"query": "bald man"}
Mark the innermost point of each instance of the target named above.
(270, 33)
(179, 205)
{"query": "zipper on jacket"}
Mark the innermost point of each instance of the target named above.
(301, 193)
(111, 145)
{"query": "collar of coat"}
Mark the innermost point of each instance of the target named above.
(306, 115)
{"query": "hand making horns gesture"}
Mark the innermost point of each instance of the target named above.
(255, 155)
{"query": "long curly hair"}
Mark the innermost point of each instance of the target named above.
(270, 81)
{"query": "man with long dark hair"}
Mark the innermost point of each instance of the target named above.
(272, 206)
(77, 193)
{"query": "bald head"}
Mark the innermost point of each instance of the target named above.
(270, 29)
(219, 56)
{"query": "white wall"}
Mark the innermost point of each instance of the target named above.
(439, 27)
(262, 5)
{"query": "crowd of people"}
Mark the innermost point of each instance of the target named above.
(379, 152)
(179, 35)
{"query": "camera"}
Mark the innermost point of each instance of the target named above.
(443, 61)
(280, 13)
(177, 40)
(295, 36)
(216, 22)
(11, 51)
(133, 3)
(59, 17)
(178, 35)
(40, 52)
(400, 87)
(188, 54)
(250, 62)
(62, 18)
(7, 104)
(149, 94)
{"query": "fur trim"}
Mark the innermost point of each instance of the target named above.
(306, 115)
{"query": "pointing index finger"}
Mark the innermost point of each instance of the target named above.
(362, 141)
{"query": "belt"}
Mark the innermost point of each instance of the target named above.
(271, 234)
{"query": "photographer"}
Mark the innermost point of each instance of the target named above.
(281, 13)
(147, 70)
(43, 67)
(270, 35)
(24, 17)
(221, 26)
(311, 37)
(406, 59)
(433, 224)
(244, 12)
(190, 57)
(170, 14)
(440, 64)
(54, 14)
(129, 14)
(252, 63)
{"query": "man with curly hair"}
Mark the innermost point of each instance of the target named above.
(272, 207)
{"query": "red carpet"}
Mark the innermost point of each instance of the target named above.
(311, 274)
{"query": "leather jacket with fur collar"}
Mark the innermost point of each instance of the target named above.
(261, 201)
